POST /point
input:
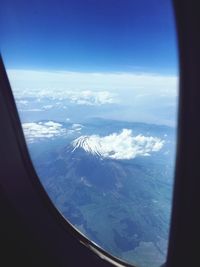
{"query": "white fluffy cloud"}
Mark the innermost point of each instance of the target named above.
(85, 97)
(23, 102)
(41, 130)
(77, 127)
(47, 107)
(119, 146)
(88, 97)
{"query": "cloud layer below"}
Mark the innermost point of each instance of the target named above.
(144, 97)
(62, 84)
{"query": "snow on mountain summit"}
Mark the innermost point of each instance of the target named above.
(87, 143)
(119, 146)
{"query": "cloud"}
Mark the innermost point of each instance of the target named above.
(120, 146)
(91, 97)
(23, 102)
(36, 80)
(85, 97)
(146, 97)
(47, 107)
(77, 127)
(42, 130)
(31, 110)
(78, 85)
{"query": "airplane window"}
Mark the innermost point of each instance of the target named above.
(96, 86)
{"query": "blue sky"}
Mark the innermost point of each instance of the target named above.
(94, 53)
(89, 35)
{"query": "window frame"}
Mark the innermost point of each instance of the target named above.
(25, 193)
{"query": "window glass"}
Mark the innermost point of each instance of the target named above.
(95, 82)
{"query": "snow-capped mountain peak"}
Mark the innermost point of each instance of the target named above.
(119, 146)
(88, 144)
